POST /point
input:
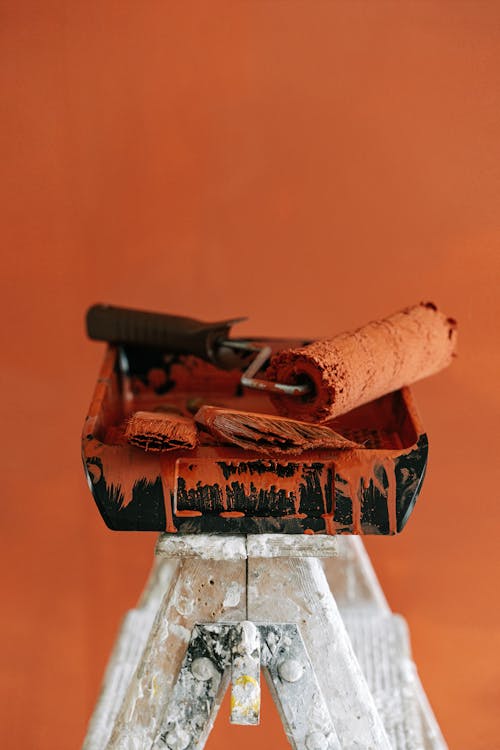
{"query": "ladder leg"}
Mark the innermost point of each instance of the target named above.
(201, 591)
(295, 590)
(127, 652)
(382, 645)
(294, 687)
(352, 578)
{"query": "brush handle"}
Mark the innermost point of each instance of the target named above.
(172, 333)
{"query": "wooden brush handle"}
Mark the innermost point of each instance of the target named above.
(173, 333)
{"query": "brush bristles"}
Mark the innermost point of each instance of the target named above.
(156, 432)
(266, 432)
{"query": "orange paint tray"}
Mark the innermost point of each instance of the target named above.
(226, 489)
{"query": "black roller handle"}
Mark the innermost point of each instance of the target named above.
(171, 333)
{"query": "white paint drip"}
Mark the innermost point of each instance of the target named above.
(184, 600)
(233, 595)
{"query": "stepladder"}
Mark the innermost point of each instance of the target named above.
(305, 610)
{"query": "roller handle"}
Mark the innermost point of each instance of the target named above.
(172, 333)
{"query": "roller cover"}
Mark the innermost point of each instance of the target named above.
(354, 368)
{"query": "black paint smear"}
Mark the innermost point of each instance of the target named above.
(312, 501)
(343, 503)
(374, 508)
(145, 512)
(410, 472)
(266, 510)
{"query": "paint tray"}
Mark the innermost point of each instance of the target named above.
(226, 489)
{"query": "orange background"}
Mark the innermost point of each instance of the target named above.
(309, 164)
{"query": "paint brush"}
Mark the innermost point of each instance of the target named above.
(267, 432)
(156, 431)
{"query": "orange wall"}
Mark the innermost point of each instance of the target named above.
(311, 165)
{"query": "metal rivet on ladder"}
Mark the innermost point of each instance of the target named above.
(203, 669)
(178, 739)
(290, 670)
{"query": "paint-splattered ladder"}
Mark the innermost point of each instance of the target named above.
(308, 610)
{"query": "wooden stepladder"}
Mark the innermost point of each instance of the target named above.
(306, 609)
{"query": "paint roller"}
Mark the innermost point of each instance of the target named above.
(357, 367)
(312, 383)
